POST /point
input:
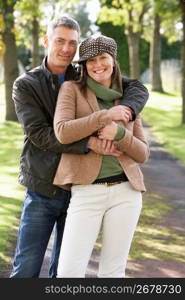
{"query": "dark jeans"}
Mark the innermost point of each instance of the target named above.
(39, 216)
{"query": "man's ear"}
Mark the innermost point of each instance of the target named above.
(45, 41)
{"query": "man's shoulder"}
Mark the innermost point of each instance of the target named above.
(30, 76)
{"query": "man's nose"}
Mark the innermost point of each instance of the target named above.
(65, 47)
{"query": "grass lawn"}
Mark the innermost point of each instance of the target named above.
(11, 193)
(158, 242)
(163, 113)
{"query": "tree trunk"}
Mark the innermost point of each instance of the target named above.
(155, 56)
(183, 62)
(133, 45)
(35, 44)
(10, 58)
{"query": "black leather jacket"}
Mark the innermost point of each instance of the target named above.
(35, 94)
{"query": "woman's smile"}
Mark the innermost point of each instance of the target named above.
(100, 68)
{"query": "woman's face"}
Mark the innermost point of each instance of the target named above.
(100, 68)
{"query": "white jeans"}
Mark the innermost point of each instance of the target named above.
(117, 209)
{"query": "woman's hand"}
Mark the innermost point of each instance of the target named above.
(110, 148)
(103, 147)
(108, 132)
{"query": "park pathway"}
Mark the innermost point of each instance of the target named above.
(164, 176)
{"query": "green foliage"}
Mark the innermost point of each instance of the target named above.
(24, 55)
(144, 48)
(26, 11)
(123, 12)
(169, 51)
(29, 9)
(170, 13)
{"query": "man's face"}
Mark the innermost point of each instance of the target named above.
(61, 46)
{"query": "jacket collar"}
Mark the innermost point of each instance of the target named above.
(71, 72)
(92, 100)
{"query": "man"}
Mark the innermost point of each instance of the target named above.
(35, 94)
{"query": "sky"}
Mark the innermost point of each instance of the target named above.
(93, 7)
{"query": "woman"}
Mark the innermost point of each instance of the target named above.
(106, 190)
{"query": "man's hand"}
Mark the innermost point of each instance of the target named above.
(128, 114)
(120, 113)
(103, 147)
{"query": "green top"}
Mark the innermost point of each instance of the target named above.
(105, 97)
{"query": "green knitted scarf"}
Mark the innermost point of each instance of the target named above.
(103, 92)
(110, 164)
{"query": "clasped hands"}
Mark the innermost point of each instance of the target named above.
(104, 143)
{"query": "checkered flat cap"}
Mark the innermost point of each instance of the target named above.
(94, 46)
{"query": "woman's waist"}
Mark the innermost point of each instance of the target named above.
(112, 179)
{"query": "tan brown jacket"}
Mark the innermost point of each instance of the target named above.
(78, 116)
